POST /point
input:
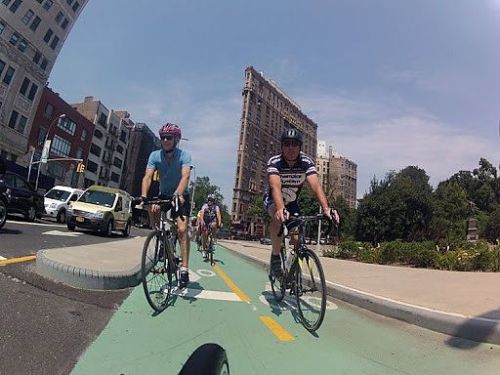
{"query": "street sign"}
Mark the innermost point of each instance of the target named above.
(46, 150)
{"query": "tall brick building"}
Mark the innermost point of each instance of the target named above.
(267, 111)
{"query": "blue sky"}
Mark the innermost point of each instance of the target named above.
(390, 83)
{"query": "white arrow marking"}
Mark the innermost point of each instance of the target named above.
(61, 233)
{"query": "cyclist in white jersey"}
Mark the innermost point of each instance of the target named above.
(287, 173)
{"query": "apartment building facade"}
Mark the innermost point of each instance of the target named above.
(337, 174)
(109, 143)
(267, 111)
(70, 134)
(32, 34)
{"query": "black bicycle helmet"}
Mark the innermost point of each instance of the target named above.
(291, 134)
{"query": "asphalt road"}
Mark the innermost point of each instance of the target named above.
(46, 325)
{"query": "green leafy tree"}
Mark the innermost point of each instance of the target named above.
(451, 208)
(256, 210)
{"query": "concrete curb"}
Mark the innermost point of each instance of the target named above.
(472, 328)
(84, 278)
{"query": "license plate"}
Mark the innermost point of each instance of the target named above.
(80, 219)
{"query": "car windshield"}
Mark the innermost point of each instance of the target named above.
(100, 198)
(60, 195)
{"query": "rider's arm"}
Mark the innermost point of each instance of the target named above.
(315, 185)
(183, 183)
(219, 216)
(275, 185)
(146, 181)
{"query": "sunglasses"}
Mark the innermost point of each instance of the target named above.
(291, 143)
(167, 138)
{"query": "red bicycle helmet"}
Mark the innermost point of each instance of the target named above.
(170, 129)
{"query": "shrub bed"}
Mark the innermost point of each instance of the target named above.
(466, 256)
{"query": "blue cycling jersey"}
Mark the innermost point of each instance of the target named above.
(169, 171)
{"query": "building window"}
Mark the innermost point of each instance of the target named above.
(42, 133)
(59, 17)
(33, 90)
(35, 23)
(49, 110)
(98, 134)
(68, 125)
(28, 16)
(24, 86)
(14, 38)
(75, 6)
(60, 146)
(84, 134)
(21, 126)
(117, 163)
(123, 136)
(2, 65)
(23, 44)
(47, 4)
(44, 63)
(54, 42)
(48, 35)
(2, 27)
(115, 177)
(119, 149)
(69, 2)
(6, 2)
(102, 120)
(64, 24)
(8, 75)
(15, 5)
(37, 57)
(91, 166)
(56, 170)
(95, 150)
(13, 119)
(79, 153)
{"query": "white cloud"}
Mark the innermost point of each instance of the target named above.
(395, 139)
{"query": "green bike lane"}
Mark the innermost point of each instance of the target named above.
(231, 305)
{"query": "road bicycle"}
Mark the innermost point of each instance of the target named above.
(302, 274)
(209, 251)
(160, 269)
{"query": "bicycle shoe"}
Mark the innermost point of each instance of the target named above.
(184, 279)
(276, 270)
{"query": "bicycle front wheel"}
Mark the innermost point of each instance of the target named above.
(278, 284)
(310, 290)
(156, 272)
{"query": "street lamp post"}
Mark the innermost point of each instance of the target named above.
(57, 119)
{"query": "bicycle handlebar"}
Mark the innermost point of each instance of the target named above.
(302, 219)
(167, 202)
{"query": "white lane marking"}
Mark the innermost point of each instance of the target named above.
(61, 233)
(206, 273)
(206, 294)
(2, 258)
(37, 224)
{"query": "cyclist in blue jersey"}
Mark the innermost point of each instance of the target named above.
(287, 173)
(174, 168)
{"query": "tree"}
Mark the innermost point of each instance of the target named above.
(256, 210)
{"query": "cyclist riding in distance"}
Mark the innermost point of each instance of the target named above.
(174, 168)
(287, 173)
(211, 219)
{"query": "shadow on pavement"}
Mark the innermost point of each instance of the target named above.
(479, 333)
(6, 230)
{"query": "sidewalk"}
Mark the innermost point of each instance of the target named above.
(464, 304)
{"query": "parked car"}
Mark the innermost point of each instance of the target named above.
(24, 199)
(57, 200)
(4, 202)
(265, 241)
(101, 209)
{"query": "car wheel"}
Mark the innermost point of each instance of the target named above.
(31, 214)
(3, 213)
(61, 216)
(126, 231)
(109, 228)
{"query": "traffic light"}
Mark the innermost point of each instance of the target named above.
(80, 168)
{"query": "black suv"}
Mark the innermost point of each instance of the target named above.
(24, 199)
(4, 201)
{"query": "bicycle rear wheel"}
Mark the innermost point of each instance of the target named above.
(156, 272)
(278, 284)
(310, 290)
(208, 359)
